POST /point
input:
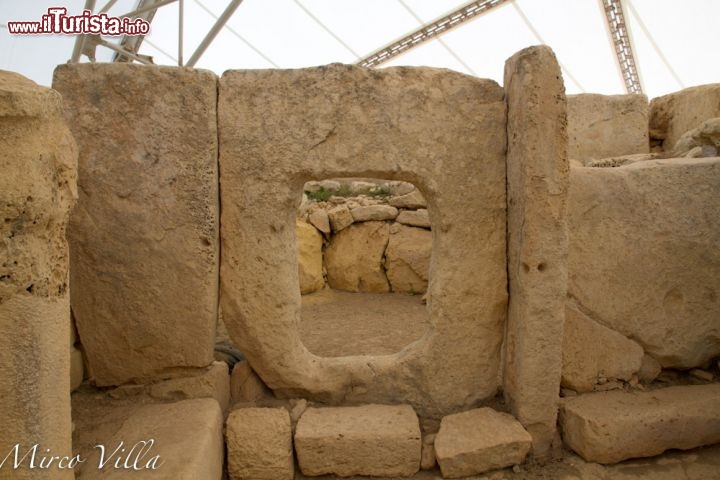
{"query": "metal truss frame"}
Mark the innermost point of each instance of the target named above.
(622, 44)
(428, 32)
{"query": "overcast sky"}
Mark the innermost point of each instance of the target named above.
(676, 47)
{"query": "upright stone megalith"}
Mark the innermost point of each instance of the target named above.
(144, 236)
(440, 130)
(38, 167)
(537, 183)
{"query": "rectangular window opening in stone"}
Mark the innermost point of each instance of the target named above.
(364, 247)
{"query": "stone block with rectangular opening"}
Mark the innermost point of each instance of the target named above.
(442, 131)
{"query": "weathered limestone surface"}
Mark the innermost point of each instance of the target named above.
(412, 200)
(310, 257)
(537, 182)
(649, 369)
(340, 217)
(608, 427)
(259, 444)
(376, 440)
(374, 212)
(245, 385)
(37, 191)
(407, 258)
(144, 235)
(319, 218)
(702, 141)
(213, 382)
(601, 126)
(77, 368)
(427, 456)
(644, 257)
(281, 128)
(479, 440)
(591, 350)
(354, 258)
(414, 218)
(674, 114)
(187, 436)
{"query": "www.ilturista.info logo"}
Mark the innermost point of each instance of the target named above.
(58, 22)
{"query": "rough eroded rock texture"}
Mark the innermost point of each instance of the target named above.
(674, 114)
(479, 440)
(213, 382)
(259, 444)
(537, 182)
(310, 257)
(407, 258)
(591, 350)
(37, 191)
(376, 440)
(608, 427)
(644, 257)
(144, 235)
(601, 126)
(187, 436)
(281, 128)
(354, 258)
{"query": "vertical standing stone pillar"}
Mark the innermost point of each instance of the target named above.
(38, 166)
(537, 185)
(144, 236)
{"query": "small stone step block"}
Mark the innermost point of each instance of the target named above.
(480, 440)
(375, 440)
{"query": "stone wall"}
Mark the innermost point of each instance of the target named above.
(389, 253)
(603, 126)
(38, 167)
(674, 114)
(602, 297)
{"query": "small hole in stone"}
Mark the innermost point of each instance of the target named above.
(30, 288)
(29, 199)
(206, 241)
(526, 267)
(541, 267)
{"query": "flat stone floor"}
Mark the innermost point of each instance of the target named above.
(337, 324)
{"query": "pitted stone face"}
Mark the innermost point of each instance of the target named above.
(442, 131)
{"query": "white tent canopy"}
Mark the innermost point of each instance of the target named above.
(674, 42)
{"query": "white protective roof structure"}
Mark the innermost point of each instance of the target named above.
(604, 46)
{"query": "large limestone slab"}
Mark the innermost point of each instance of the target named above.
(674, 114)
(144, 235)
(407, 258)
(37, 191)
(601, 126)
(186, 437)
(354, 258)
(591, 351)
(480, 440)
(537, 182)
(608, 427)
(310, 257)
(259, 444)
(430, 127)
(376, 440)
(644, 257)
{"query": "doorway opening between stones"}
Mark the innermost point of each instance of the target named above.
(364, 247)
